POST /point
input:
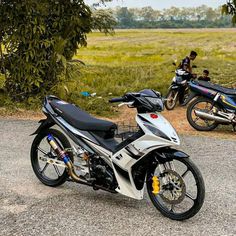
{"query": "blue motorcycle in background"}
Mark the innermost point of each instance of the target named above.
(211, 105)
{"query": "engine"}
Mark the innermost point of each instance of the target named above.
(103, 173)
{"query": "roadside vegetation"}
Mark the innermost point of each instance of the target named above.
(132, 60)
(174, 17)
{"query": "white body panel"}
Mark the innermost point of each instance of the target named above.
(140, 148)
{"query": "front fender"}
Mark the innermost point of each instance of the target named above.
(44, 124)
(150, 162)
(168, 154)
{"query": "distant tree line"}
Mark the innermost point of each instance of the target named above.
(191, 17)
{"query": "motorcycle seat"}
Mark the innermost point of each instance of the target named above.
(228, 91)
(79, 118)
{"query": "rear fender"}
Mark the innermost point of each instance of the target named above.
(44, 124)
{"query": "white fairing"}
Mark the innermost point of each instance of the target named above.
(181, 72)
(139, 148)
(161, 124)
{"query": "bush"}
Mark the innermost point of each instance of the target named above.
(39, 37)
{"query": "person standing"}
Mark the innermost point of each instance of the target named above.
(185, 65)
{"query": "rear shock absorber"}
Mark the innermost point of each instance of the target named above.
(62, 155)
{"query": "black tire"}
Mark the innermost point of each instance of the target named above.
(190, 119)
(64, 143)
(170, 102)
(198, 202)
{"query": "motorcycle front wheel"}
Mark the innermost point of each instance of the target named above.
(181, 191)
(171, 99)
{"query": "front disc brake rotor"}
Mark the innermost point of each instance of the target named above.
(174, 191)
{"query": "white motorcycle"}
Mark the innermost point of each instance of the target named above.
(95, 157)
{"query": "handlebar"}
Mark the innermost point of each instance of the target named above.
(121, 99)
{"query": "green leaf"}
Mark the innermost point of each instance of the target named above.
(234, 19)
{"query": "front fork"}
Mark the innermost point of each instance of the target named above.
(155, 179)
(163, 167)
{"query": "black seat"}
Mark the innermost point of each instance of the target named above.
(79, 118)
(217, 87)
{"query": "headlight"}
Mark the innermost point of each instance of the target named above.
(156, 131)
(157, 102)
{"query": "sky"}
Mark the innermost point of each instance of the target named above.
(161, 4)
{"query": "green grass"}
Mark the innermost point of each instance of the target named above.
(132, 60)
(136, 59)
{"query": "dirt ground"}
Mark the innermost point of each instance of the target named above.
(177, 118)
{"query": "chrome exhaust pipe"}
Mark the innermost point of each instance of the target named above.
(63, 156)
(72, 174)
(207, 116)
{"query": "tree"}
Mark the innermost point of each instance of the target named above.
(211, 14)
(173, 13)
(230, 9)
(124, 17)
(39, 37)
(147, 14)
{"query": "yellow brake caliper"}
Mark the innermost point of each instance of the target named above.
(155, 185)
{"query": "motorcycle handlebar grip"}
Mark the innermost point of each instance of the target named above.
(116, 100)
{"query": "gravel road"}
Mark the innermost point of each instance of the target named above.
(30, 208)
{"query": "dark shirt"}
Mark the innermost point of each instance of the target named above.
(204, 78)
(185, 62)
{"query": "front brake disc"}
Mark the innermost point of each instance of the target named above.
(173, 192)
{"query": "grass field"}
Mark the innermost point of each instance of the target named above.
(132, 60)
(137, 59)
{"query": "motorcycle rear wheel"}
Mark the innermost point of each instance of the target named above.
(49, 174)
(197, 122)
(192, 195)
(171, 100)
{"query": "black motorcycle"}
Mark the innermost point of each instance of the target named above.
(211, 105)
(179, 89)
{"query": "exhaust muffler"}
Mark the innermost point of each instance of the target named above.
(207, 116)
(63, 156)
